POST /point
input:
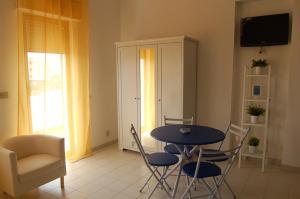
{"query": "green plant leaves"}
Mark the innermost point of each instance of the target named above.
(255, 110)
(259, 63)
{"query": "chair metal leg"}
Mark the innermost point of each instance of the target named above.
(149, 196)
(229, 188)
(187, 189)
(174, 169)
(164, 179)
(164, 182)
(161, 181)
(167, 184)
(217, 187)
(141, 190)
(177, 181)
(62, 182)
(155, 169)
(187, 183)
(195, 184)
(209, 189)
(206, 185)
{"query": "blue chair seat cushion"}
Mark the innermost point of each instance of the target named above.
(206, 169)
(162, 159)
(170, 148)
(219, 157)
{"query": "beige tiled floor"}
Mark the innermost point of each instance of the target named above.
(115, 174)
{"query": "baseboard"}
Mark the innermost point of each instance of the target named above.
(278, 162)
(274, 161)
(96, 148)
(290, 168)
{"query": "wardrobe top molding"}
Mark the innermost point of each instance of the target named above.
(155, 41)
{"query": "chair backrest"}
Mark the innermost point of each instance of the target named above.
(138, 142)
(230, 155)
(238, 132)
(221, 155)
(172, 121)
(240, 135)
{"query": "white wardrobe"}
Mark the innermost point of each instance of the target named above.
(155, 77)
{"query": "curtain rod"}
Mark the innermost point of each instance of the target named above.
(48, 15)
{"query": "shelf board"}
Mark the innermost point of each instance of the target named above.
(259, 124)
(255, 100)
(257, 154)
(252, 75)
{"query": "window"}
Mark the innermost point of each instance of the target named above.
(53, 75)
(47, 92)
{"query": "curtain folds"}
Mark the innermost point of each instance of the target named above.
(148, 89)
(54, 72)
(24, 126)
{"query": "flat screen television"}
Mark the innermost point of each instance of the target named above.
(265, 30)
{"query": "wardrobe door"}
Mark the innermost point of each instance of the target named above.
(128, 96)
(171, 80)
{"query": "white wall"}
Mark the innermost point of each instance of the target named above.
(212, 23)
(284, 133)
(8, 68)
(104, 31)
(290, 155)
(278, 57)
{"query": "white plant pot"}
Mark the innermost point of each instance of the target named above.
(252, 149)
(253, 119)
(257, 70)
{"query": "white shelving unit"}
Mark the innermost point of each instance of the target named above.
(259, 129)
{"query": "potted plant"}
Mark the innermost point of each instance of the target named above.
(258, 65)
(255, 111)
(253, 143)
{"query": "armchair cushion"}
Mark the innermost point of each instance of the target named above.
(35, 166)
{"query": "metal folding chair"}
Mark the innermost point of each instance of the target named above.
(214, 156)
(170, 148)
(154, 161)
(200, 171)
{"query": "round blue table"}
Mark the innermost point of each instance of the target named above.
(197, 135)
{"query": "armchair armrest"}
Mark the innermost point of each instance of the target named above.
(50, 145)
(8, 170)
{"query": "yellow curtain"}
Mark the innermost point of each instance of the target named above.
(54, 72)
(24, 109)
(147, 89)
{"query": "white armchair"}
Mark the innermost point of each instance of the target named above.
(27, 162)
